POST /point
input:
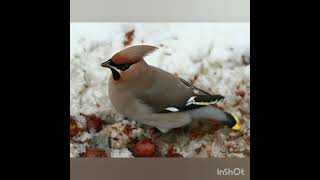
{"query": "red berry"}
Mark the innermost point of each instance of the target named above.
(94, 153)
(172, 152)
(144, 148)
(94, 123)
(73, 127)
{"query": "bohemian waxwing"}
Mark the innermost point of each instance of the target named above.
(154, 97)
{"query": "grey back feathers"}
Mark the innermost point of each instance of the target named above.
(164, 90)
(194, 88)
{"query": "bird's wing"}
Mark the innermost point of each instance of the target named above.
(199, 99)
(167, 90)
(194, 102)
(195, 89)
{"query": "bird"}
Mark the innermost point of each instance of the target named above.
(154, 97)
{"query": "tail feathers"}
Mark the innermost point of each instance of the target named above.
(213, 113)
(210, 113)
(234, 121)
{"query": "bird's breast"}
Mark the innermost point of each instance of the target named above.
(123, 97)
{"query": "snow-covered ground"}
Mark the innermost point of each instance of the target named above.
(213, 56)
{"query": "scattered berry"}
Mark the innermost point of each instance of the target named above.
(94, 123)
(144, 148)
(73, 127)
(94, 153)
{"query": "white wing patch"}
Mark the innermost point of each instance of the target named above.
(172, 109)
(205, 103)
(192, 101)
(196, 91)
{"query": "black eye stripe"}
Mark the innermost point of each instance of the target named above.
(121, 67)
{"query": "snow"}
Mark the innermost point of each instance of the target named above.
(213, 56)
(121, 153)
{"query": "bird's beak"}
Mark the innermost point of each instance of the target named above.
(237, 125)
(108, 64)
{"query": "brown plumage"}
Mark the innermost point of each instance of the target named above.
(151, 96)
(132, 54)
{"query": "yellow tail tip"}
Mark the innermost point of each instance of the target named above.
(237, 125)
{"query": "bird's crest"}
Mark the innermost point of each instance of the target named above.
(132, 54)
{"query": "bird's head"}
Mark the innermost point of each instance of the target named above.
(124, 59)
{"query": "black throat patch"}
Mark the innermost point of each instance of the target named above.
(115, 74)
